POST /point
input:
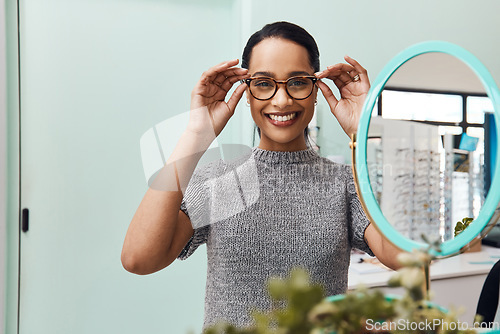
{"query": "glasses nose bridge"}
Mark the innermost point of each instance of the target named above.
(280, 98)
(285, 86)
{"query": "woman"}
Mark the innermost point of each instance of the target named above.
(305, 211)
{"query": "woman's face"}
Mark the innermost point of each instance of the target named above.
(281, 59)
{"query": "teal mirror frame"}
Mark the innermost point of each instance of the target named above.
(448, 247)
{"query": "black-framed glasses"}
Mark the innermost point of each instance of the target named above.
(264, 88)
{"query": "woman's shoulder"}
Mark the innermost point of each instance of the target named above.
(342, 169)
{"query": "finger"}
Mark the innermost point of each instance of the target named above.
(334, 70)
(230, 81)
(363, 74)
(221, 77)
(205, 90)
(345, 78)
(218, 92)
(212, 72)
(236, 96)
(226, 86)
(341, 74)
(328, 94)
(340, 80)
(339, 83)
(341, 67)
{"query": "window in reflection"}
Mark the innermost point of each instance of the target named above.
(422, 106)
(454, 130)
(476, 107)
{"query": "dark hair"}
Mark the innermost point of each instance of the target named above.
(285, 30)
(291, 32)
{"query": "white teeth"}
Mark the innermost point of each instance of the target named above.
(283, 118)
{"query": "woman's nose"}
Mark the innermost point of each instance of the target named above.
(281, 99)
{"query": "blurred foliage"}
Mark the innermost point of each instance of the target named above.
(305, 310)
(462, 225)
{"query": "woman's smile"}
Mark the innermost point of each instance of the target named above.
(283, 118)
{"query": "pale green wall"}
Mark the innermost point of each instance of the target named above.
(3, 167)
(102, 73)
(374, 31)
(121, 41)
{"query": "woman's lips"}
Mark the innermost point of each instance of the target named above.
(283, 123)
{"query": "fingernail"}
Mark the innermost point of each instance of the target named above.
(318, 73)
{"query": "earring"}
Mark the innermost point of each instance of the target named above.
(316, 102)
(248, 104)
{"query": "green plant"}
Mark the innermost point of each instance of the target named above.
(305, 310)
(297, 293)
(462, 225)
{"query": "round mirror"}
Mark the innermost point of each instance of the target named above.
(426, 146)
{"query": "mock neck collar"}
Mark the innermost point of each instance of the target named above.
(284, 156)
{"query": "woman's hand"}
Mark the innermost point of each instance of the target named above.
(209, 110)
(352, 81)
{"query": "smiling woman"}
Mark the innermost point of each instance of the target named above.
(281, 59)
(280, 206)
(85, 79)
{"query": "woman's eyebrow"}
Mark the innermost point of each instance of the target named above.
(265, 74)
(272, 75)
(298, 73)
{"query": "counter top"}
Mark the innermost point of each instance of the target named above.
(466, 264)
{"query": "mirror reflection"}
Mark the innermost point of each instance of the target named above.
(428, 150)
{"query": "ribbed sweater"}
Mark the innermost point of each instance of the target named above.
(264, 214)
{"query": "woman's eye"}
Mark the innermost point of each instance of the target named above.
(263, 83)
(297, 83)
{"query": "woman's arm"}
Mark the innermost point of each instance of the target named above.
(159, 230)
(383, 249)
(353, 84)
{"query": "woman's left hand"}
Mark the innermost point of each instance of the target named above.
(352, 81)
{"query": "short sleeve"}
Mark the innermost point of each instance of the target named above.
(195, 204)
(199, 237)
(358, 221)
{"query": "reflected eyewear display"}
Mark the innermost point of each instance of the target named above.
(264, 88)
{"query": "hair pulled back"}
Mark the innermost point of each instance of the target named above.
(285, 30)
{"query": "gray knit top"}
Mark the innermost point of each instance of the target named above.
(264, 214)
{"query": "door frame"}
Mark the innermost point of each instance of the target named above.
(10, 166)
(3, 162)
